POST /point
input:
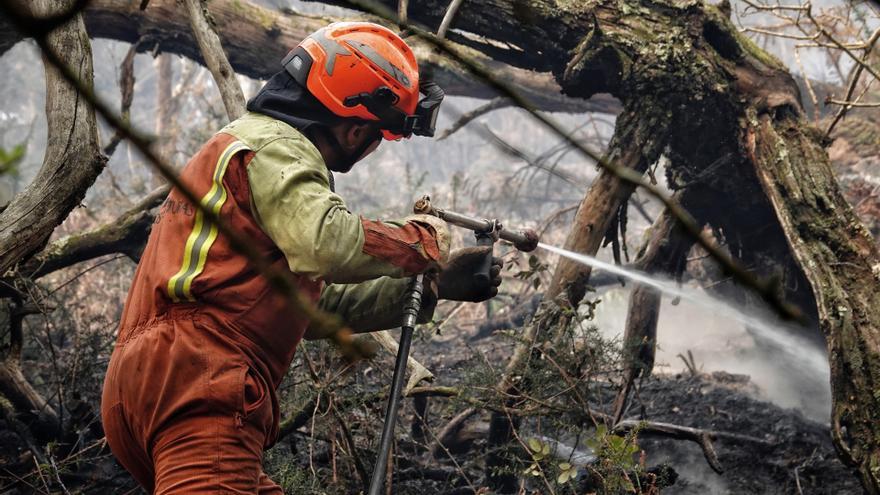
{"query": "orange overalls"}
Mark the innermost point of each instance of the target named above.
(189, 398)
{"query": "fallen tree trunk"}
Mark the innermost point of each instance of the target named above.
(256, 39)
(126, 234)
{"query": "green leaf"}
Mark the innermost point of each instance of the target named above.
(10, 159)
(534, 445)
(564, 477)
(532, 470)
(567, 472)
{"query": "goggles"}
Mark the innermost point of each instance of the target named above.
(381, 103)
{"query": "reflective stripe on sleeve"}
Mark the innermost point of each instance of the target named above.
(204, 231)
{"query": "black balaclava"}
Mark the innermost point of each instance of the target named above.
(284, 99)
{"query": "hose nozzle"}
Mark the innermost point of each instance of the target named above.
(523, 240)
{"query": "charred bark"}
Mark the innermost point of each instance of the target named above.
(739, 133)
(842, 264)
(664, 253)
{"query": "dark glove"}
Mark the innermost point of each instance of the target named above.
(456, 282)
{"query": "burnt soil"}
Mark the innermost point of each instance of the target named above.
(800, 450)
(723, 402)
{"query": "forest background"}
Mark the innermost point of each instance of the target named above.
(491, 159)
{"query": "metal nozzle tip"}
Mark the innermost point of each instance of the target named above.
(529, 242)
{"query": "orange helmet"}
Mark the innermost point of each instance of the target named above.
(364, 71)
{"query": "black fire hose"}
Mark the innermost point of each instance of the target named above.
(486, 232)
(410, 315)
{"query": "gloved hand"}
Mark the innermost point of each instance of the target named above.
(456, 282)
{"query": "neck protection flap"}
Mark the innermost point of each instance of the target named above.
(284, 99)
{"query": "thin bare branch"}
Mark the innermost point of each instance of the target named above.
(468, 117)
(126, 89)
(402, 8)
(859, 104)
(448, 17)
(215, 58)
(858, 60)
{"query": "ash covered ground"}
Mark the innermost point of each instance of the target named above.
(801, 450)
(796, 455)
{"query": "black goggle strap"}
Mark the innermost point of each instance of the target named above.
(381, 104)
(428, 108)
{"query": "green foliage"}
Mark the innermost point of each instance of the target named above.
(9, 159)
(533, 272)
(290, 476)
(616, 465)
(540, 451)
(567, 472)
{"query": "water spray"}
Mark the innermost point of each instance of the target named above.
(812, 358)
(487, 232)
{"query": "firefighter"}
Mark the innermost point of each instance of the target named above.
(189, 400)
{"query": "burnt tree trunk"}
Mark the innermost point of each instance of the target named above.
(665, 252)
(598, 209)
(728, 117)
(842, 265)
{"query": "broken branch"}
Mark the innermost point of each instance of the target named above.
(215, 58)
